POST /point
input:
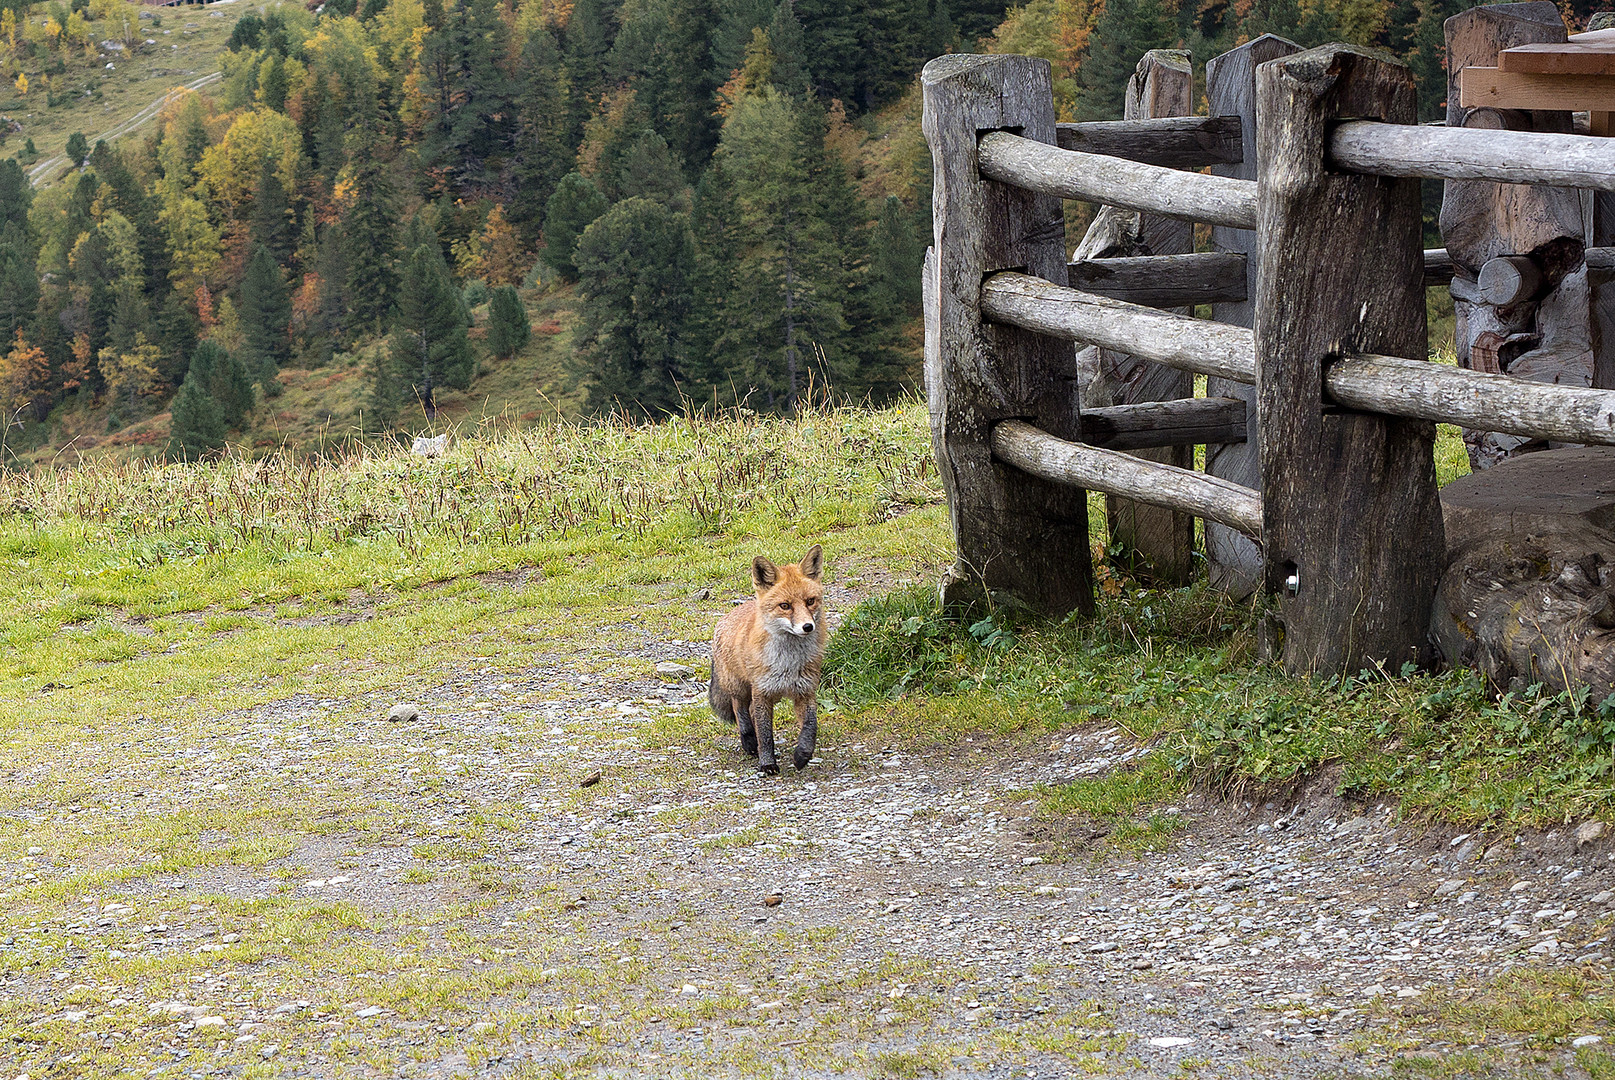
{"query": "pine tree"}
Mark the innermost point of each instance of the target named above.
(78, 148)
(16, 196)
(575, 204)
(1127, 30)
(19, 282)
(894, 270)
(271, 224)
(225, 381)
(469, 110)
(384, 392)
(508, 328)
(369, 247)
(195, 425)
(266, 315)
(542, 143)
(429, 345)
(635, 269)
(789, 71)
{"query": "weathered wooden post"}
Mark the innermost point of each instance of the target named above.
(1537, 330)
(1160, 540)
(1235, 563)
(1014, 532)
(1352, 535)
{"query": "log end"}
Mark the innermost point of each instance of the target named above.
(1528, 594)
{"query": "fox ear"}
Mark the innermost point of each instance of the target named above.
(763, 573)
(813, 562)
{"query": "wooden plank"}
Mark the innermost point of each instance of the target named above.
(1164, 281)
(1352, 537)
(1188, 344)
(1184, 422)
(1485, 87)
(1154, 542)
(1584, 54)
(1234, 563)
(1184, 490)
(1069, 174)
(1176, 142)
(1013, 532)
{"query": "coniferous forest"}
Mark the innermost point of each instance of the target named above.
(735, 193)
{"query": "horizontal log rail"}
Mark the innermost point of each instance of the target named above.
(1094, 469)
(1071, 174)
(1443, 153)
(1438, 268)
(1397, 386)
(1208, 348)
(1164, 281)
(1173, 142)
(1179, 422)
(1475, 399)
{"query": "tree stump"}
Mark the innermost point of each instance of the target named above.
(1527, 593)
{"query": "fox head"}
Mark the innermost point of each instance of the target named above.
(789, 597)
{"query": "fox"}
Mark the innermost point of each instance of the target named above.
(768, 648)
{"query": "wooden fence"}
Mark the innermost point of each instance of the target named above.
(1320, 489)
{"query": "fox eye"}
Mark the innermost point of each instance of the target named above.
(812, 600)
(785, 607)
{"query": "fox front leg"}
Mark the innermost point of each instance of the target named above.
(748, 734)
(808, 714)
(762, 718)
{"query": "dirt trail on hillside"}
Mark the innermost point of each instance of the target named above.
(43, 169)
(924, 922)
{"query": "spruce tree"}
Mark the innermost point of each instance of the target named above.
(1126, 31)
(78, 148)
(369, 248)
(635, 269)
(266, 315)
(575, 204)
(429, 346)
(508, 328)
(894, 266)
(271, 223)
(195, 426)
(789, 72)
(226, 381)
(543, 149)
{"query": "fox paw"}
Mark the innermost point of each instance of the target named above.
(748, 743)
(801, 758)
(771, 769)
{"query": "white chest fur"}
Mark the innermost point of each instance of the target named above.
(787, 657)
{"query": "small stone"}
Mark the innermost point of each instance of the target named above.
(1519, 886)
(210, 1021)
(701, 594)
(671, 669)
(1103, 947)
(368, 1011)
(1352, 827)
(1589, 832)
(430, 446)
(1032, 860)
(403, 713)
(591, 778)
(1167, 1042)
(772, 900)
(483, 1027)
(1604, 897)
(1223, 1023)
(1448, 887)
(1409, 992)
(688, 988)
(75, 1017)
(230, 939)
(1220, 941)
(36, 851)
(1586, 1040)
(1142, 965)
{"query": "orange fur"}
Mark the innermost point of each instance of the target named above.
(768, 649)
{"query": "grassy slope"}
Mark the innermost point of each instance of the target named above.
(189, 43)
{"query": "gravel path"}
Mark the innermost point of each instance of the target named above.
(886, 912)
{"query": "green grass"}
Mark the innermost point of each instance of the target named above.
(114, 97)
